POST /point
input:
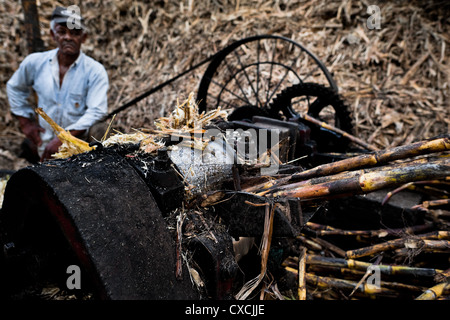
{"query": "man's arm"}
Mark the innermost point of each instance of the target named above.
(31, 129)
(18, 89)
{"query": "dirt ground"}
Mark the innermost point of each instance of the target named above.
(395, 79)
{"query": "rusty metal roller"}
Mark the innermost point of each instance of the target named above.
(108, 218)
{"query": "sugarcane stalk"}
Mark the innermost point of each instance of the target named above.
(432, 204)
(358, 171)
(434, 292)
(331, 247)
(361, 265)
(106, 134)
(344, 272)
(367, 251)
(442, 276)
(409, 185)
(368, 273)
(436, 235)
(380, 157)
(63, 135)
(397, 286)
(436, 245)
(353, 273)
(370, 181)
(320, 244)
(423, 244)
(265, 248)
(373, 159)
(321, 230)
(311, 244)
(301, 275)
(347, 285)
(276, 184)
(341, 132)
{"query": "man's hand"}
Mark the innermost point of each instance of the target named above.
(51, 148)
(54, 145)
(31, 129)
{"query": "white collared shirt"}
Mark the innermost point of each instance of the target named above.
(76, 105)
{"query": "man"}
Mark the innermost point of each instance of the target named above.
(70, 86)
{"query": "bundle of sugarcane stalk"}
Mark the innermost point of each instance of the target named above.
(363, 174)
(381, 263)
(321, 275)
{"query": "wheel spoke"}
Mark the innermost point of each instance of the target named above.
(248, 78)
(271, 71)
(257, 70)
(228, 103)
(284, 76)
(230, 70)
(224, 88)
(310, 73)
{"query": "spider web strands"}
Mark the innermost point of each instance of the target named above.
(369, 182)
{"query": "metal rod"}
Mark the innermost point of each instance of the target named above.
(154, 89)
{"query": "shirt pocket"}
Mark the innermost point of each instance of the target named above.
(77, 105)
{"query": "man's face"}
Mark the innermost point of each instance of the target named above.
(68, 40)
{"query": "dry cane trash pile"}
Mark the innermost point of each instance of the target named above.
(395, 79)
